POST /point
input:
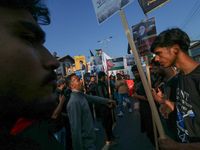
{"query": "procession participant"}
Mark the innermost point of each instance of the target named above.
(144, 108)
(58, 115)
(105, 109)
(92, 90)
(82, 128)
(123, 93)
(169, 94)
(171, 48)
(113, 90)
(26, 102)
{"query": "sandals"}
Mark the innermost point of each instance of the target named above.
(111, 143)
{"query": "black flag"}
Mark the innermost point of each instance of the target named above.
(91, 53)
(150, 5)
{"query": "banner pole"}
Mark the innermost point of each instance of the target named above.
(83, 81)
(110, 96)
(141, 71)
(153, 120)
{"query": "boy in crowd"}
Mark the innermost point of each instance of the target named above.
(171, 49)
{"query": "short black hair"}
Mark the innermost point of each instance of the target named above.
(36, 7)
(101, 74)
(171, 37)
(68, 79)
(155, 63)
(134, 68)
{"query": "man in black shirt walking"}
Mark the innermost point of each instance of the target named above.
(105, 109)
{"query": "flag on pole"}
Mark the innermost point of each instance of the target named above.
(91, 53)
(107, 65)
(150, 5)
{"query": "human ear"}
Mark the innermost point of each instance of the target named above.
(176, 49)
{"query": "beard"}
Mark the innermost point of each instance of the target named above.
(38, 108)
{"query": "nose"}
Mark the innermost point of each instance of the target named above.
(49, 61)
(157, 58)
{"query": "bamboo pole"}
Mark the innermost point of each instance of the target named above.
(144, 81)
(110, 96)
(153, 120)
(83, 81)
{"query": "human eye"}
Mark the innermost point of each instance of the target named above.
(30, 38)
(157, 53)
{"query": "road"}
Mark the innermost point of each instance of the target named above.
(128, 127)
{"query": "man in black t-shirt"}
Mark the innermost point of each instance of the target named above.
(106, 110)
(92, 91)
(144, 108)
(171, 48)
(168, 92)
(57, 118)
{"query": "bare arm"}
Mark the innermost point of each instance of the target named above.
(166, 108)
(140, 97)
(117, 85)
(169, 144)
(97, 99)
(159, 97)
(58, 110)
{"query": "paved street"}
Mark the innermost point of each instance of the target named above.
(128, 127)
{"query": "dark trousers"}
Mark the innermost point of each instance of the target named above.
(68, 134)
(107, 121)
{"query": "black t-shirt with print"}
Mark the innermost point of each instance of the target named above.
(188, 106)
(169, 89)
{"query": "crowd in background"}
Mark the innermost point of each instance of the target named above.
(33, 116)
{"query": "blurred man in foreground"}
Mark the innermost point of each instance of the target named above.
(27, 77)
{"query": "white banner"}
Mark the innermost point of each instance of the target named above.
(106, 8)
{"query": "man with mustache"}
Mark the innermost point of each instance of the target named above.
(27, 77)
(80, 117)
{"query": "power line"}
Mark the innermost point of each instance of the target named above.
(195, 17)
(191, 15)
(198, 36)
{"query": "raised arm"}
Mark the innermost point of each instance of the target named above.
(169, 144)
(58, 110)
(97, 99)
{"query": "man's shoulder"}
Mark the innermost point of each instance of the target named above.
(116, 82)
(76, 97)
(194, 75)
(100, 83)
(57, 91)
(93, 85)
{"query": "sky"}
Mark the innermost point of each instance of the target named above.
(74, 29)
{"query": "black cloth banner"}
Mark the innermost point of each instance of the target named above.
(150, 5)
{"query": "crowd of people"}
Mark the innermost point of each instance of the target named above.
(42, 110)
